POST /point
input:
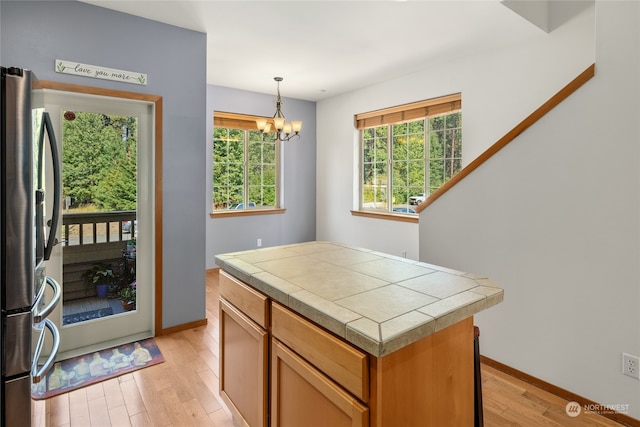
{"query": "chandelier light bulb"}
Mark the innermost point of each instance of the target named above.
(262, 124)
(278, 122)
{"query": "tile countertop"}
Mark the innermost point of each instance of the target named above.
(377, 302)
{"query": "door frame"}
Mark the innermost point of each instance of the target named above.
(157, 101)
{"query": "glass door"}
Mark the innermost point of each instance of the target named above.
(104, 260)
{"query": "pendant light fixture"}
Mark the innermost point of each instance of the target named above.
(284, 130)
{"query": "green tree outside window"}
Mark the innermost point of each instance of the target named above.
(410, 158)
(99, 159)
(245, 169)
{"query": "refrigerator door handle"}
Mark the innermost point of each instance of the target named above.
(57, 179)
(37, 373)
(41, 314)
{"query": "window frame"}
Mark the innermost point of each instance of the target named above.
(406, 113)
(247, 123)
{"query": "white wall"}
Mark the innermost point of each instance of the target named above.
(499, 89)
(554, 219)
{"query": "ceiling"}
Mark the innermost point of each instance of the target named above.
(325, 48)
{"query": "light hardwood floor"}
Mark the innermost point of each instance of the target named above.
(183, 391)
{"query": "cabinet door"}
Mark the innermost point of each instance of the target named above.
(243, 366)
(303, 396)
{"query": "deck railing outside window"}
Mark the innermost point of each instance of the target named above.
(81, 229)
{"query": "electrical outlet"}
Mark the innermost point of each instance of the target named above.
(631, 366)
(259, 243)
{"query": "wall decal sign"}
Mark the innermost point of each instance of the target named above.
(78, 69)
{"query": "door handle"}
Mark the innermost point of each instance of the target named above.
(57, 180)
(40, 315)
(37, 373)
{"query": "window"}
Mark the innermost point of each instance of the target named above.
(245, 165)
(408, 152)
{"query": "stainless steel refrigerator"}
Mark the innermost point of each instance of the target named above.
(27, 236)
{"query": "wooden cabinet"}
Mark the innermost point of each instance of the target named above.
(278, 368)
(252, 303)
(427, 383)
(316, 378)
(244, 353)
(302, 396)
(340, 361)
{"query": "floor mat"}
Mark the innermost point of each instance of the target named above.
(86, 315)
(91, 368)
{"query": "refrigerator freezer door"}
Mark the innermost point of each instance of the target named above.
(17, 344)
(18, 194)
(17, 402)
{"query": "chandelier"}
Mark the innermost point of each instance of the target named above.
(284, 130)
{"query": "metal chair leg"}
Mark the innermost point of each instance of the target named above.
(478, 414)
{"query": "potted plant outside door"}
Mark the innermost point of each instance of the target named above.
(100, 276)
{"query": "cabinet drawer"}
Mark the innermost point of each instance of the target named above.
(251, 302)
(342, 362)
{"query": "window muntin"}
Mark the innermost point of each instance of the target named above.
(228, 167)
(245, 169)
(375, 165)
(407, 161)
(262, 170)
(445, 149)
(397, 164)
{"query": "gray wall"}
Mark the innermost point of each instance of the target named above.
(34, 34)
(298, 173)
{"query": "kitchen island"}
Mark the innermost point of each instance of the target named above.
(321, 333)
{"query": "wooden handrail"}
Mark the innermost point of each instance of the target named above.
(556, 99)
